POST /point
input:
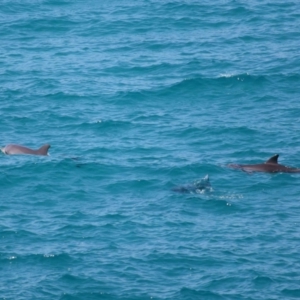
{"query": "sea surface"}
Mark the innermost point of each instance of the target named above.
(139, 100)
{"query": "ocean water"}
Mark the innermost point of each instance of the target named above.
(136, 98)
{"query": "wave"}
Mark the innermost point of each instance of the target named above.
(222, 81)
(36, 258)
(218, 85)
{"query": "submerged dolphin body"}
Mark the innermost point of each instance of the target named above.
(199, 186)
(17, 149)
(270, 166)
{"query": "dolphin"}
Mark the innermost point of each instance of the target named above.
(270, 166)
(198, 186)
(17, 149)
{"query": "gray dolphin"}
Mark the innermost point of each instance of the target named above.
(198, 186)
(17, 149)
(270, 166)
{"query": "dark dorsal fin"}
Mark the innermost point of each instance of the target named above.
(273, 159)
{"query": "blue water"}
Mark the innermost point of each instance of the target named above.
(136, 98)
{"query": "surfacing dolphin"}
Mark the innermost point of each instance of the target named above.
(270, 166)
(198, 187)
(17, 149)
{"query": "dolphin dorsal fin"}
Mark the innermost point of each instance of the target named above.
(43, 150)
(273, 159)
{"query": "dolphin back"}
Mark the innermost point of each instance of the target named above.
(18, 149)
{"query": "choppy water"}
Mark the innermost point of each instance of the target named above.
(136, 98)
